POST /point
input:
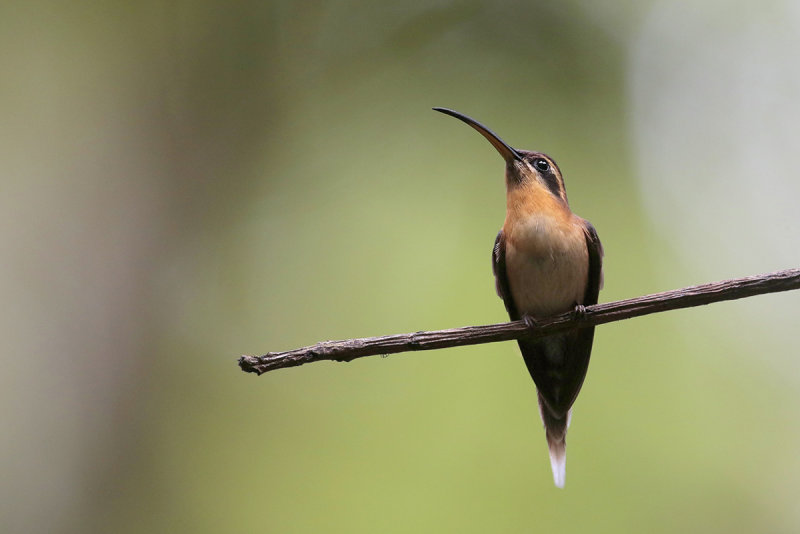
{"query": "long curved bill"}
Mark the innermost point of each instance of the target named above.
(508, 153)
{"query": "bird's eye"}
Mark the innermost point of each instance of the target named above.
(541, 164)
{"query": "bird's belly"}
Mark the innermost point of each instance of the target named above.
(547, 267)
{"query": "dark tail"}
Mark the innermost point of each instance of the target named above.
(556, 433)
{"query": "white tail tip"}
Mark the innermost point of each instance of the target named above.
(558, 462)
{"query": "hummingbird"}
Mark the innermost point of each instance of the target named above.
(546, 260)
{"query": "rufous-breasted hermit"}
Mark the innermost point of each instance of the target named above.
(546, 260)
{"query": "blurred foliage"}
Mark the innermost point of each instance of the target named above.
(187, 181)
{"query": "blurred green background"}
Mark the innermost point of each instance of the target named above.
(184, 182)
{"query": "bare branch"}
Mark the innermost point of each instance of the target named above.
(350, 349)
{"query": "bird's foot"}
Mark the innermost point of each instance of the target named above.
(530, 322)
(579, 313)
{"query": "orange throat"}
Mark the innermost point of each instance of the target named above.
(547, 261)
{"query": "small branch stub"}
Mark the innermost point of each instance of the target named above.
(350, 349)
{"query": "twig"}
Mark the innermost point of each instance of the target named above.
(350, 349)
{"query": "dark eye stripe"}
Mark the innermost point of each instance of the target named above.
(552, 182)
(550, 179)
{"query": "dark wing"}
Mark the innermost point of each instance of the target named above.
(500, 276)
(595, 248)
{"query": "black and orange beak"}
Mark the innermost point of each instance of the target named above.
(509, 154)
